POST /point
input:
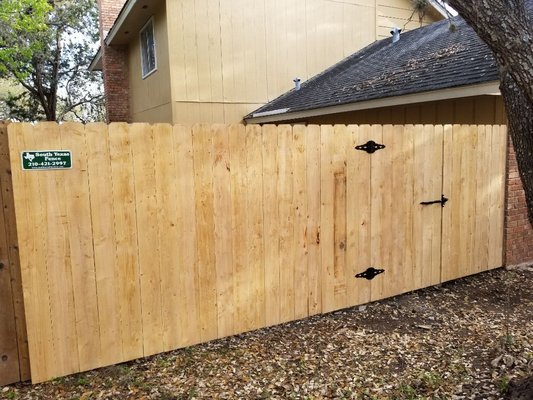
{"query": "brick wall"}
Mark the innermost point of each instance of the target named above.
(114, 65)
(116, 83)
(109, 10)
(518, 230)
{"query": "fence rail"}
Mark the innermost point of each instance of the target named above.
(161, 236)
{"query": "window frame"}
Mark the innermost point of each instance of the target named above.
(141, 31)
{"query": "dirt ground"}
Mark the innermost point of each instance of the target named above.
(467, 339)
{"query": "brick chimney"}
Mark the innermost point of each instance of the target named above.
(114, 65)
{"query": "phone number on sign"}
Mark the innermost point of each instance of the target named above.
(48, 164)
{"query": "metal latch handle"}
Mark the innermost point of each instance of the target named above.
(442, 201)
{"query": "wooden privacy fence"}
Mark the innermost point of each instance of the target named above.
(164, 236)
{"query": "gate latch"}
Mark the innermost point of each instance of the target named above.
(370, 273)
(370, 147)
(442, 201)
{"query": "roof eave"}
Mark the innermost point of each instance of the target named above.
(124, 13)
(96, 63)
(443, 8)
(486, 88)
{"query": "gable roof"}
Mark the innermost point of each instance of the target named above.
(426, 59)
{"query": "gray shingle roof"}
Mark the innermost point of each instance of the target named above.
(429, 58)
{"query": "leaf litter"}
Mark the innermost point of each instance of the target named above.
(466, 339)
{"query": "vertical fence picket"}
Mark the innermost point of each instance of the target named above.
(168, 237)
(271, 225)
(102, 217)
(32, 252)
(299, 168)
(146, 206)
(9, 357)
(80, 237)
(254, 226)
(497, 171)
(326, 216)
(187, 264)
(127, 254)
(223, 232)
(286, 222)
(203, 186)
(313, 197)
(358, 213)
(241, 278)
(481, 238)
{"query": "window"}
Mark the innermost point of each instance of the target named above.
(148, 58)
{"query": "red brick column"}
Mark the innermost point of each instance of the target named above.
(109, 11)
(518, 230)
(116, 83)
(114, 65)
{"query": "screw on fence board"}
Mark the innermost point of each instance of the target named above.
(370, 273)
(4, 358)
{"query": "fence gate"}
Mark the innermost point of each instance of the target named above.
(420, 204)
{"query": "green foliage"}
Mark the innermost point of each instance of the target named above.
(193, 394)
(22, 106)
(23, 32)
(46, 46)
(82, 381)
(11, 395)
(503, 384)
(408, 392)
(21, 22)
(431, 381)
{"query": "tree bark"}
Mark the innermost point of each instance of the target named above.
(506, 27)
(520, 124)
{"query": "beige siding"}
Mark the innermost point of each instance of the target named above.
(205, 112)
(399, 13)
(161, 113)
(246, 53)
(469, 110)
(150, 99)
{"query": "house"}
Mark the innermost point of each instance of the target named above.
(437, 74)
(218, 60)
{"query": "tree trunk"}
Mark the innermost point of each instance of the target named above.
(506, 27)
(520, 124)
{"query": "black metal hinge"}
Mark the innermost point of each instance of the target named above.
(442, 201)
(370, 273)
(370, 147)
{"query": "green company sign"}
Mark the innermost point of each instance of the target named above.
(46, 159)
